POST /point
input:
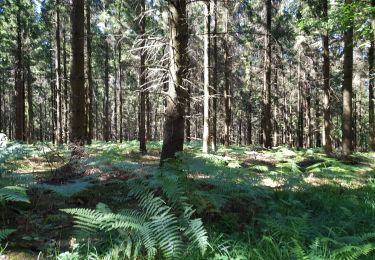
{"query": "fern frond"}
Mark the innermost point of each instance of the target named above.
(4, 233)
(14, 194)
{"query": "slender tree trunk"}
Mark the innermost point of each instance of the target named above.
(227, 71)
(121, 93)
(266, 118)
(214, 83)
(300, 104)
(308, 117)
(372, 84)
(58, 99)
(188, 116)
(65, 103)
(142, 82)
(347, 92)
(106, 92)
(318, 140)
(327, 121)
(19, 86)
(149, 116)
(206, 90)
(2, 97)
(77, 77)
(30, 132)
(249, 114)
(90, 113)
(173, 138)
(275, 111)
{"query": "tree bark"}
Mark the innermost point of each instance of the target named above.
(347, 92)
(90, 113)
(327, 121)
(58, 99)
(372, 83)
(206, 88)
(214, 83)
(173, 138)
(120, 94)
(300, 104)
(142, 81)
(227, 72)
(19, 86)
(77, 77)
(266, 118)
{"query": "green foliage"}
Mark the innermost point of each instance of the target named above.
(156, 226)
(14, 194)
(68, 189)
(4, 233)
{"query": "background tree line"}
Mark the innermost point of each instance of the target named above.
(256, 72)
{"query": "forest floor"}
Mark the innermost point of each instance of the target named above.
(254, 203)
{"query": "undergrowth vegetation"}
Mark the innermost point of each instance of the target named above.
(240, 203)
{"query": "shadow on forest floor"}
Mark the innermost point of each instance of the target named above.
(257, 199)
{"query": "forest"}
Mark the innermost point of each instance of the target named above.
(175, 129)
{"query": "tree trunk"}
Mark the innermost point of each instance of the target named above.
(106, 92)
(65, 103)
(206, 89)
(227, 71)
(58, 99)
(30, 128)
(173, 138)
(300, 104)
(120, 94)
(347, 92)
(266, 118)
(142, 82)
(326, 88)
(77, 77)
(90, 113)
(371, 84)
(19, 86)
(214, 84)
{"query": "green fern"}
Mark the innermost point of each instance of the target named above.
(14, 194)
(4, 233)
(154, 227)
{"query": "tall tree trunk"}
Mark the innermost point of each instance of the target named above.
(275, 111)
(142, 81)
(266, 118)
(90, 112)
(188, 115)
(77, 76)
(19, 86)
(2, 97)
(149, 116)
(65, 103)
(372, 83)
(249, 114)
(58, 99)
(318, 140)
(106, 92)
(347, 92)
(300, 104)
(206, 89)
(214, 83)
(227, 71)
(30, 131)
(308, 117)
(121, 93)
(327, 121)
(173, 138)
